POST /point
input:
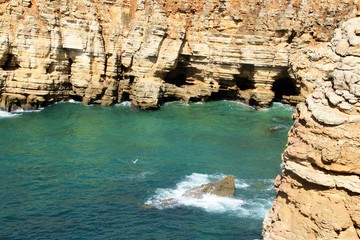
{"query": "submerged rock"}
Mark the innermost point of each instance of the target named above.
(163, 203)
(275, 128)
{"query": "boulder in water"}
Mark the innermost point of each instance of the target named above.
(223, 188)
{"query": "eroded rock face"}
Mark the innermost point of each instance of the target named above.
(319, 189)
(108, 51)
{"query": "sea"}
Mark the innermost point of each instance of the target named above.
(70, 171)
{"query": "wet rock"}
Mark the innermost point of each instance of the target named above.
(223, 188)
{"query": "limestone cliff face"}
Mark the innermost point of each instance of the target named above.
(151, 51)
(319, 190)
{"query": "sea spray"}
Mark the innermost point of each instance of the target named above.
(253, 207)
(4, 114)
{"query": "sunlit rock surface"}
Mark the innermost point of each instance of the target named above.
(319, 190)
(149, 52)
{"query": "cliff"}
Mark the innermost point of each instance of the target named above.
(257, 51)
(319, 189)
(108, 51)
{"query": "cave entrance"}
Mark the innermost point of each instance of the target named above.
(237, 88)
(244, 83)
(183, 74)
(11, 62)
(284, 86)
(177, 78)
(50, 68)
(245, 80)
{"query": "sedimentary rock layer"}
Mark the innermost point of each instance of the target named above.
(258, 51)
(107, 51)
(319, 189)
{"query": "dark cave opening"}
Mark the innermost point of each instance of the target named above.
(125, 97)
(284, 86)
(76, 98)
(131, 79)
(244, 83)
(11, 62)
(50, 68)
(221, 95)
(176, 78)
(245, 80)
(183, 74)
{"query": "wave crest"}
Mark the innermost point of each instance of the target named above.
(4, 114)
(239, 205)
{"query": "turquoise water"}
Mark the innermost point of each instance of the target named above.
(68, 171)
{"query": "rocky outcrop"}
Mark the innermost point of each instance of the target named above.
(319, 189)
(223, 188)
(108, 51)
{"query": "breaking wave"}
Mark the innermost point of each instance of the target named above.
(4, 114)
(68, 101)
(282, 106)
(248, 205)
(124, 104)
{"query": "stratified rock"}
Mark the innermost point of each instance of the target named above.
(146, 92)
(319, 188)
(257, 51)
(104, 52)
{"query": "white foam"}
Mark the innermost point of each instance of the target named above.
(17, 112)
(73, 101)
(256, 208)
(26, 111)
(68, 101)
(283, 106)
(243, 104)
(124, 104)
(237, 206)
(4, 114)
(241, 184)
